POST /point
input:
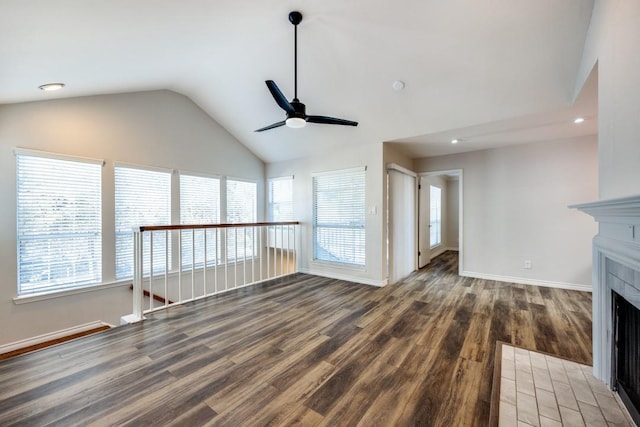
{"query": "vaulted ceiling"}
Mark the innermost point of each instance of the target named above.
(489, 67)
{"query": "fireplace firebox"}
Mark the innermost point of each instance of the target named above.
(626, 368)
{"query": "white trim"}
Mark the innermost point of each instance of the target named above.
(181, 172)
(525, 281)
(25, 299)
(347, 278)
(398, 168)
(625, 210)
(336, 171)
(55, 156)
(17, 345)
(143, 167)
(442, 172)
(461, 221)
(249, 180)
(280, 178)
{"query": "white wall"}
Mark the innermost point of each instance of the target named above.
(160, 128)
(515, 209)
(374, 272)
(612, 41)
(453, 212)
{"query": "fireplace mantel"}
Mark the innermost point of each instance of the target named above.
(618, 240)
(624, 210)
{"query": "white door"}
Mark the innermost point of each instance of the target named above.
(424, 245)
(402, 224)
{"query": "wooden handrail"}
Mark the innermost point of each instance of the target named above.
(199, 226)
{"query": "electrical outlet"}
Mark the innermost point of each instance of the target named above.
(527, 264)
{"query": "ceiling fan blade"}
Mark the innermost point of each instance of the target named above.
(330, 121)
(279, 97)
(275, 125)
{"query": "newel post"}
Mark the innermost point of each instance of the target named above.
(137, 274)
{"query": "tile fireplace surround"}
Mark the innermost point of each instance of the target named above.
(616, 267)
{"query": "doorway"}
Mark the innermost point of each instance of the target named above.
(439, 215)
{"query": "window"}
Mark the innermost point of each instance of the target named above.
(435, 213)
(242, 207)
(143, 197)
(339, 216)
(199, 204)
(281, 199)
(59, 222)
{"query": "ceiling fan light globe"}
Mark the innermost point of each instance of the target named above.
(296, 122)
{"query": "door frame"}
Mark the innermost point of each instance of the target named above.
(423, 216)
(397, 168)
(460, 173)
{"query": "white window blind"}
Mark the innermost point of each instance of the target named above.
(199, 204)
(59, 223)
(280, 199)
(242, 207)
(143, 197)
(339, 216)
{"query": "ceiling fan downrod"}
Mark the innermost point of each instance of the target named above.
(295, 18)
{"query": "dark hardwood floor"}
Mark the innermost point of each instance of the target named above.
(304, 351)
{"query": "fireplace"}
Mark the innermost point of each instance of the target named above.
(616, 297)
(626, 356)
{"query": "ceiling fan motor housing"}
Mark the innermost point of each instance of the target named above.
(299, 110)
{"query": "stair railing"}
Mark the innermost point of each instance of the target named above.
(176, 264)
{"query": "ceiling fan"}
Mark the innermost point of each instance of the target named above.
(296, 110)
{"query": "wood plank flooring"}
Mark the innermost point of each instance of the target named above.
(303, 351)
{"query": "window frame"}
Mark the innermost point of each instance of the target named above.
(95, 196)
(271, 203)
(216, 258)
(156, 270)
(254, 250)
(359, 224)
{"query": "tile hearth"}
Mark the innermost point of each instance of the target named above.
(542, 390)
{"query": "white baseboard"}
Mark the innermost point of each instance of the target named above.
(347, 278)
(6, 348)
(524, 281)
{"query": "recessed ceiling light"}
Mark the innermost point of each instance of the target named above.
(51, 86)
(455, 141)
(578, 120)
(398, 85)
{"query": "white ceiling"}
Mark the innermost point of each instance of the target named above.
(490, 72)
(553, 125)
